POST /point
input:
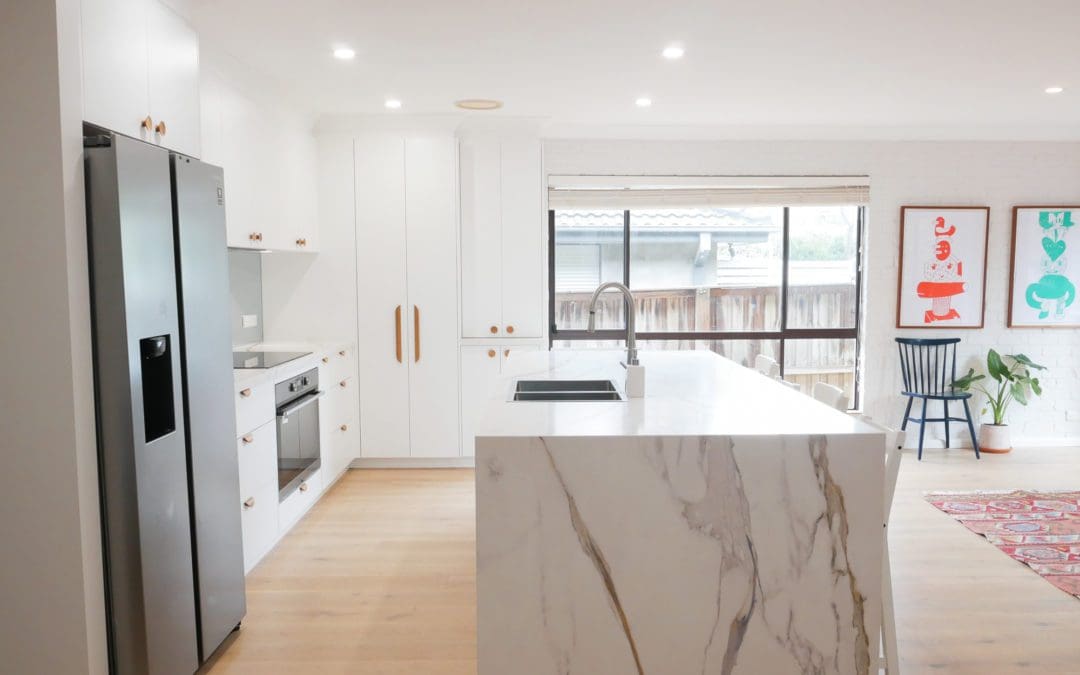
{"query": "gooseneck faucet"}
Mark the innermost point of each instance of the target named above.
(631, 311)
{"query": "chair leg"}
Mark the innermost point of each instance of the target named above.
(922, 427)
(907, 414)
(947, 437)
(971, 429)
(888, 615)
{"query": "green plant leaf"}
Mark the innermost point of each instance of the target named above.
(995, 367)
(1019, 392)
(1021, 358)
(1036, 387)
(964, 383)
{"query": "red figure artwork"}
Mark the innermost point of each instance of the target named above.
(942, 277)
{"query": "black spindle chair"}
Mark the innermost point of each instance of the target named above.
(929, 369)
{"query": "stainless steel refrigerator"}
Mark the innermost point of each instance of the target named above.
(164, 391)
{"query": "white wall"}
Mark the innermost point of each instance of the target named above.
(999, 175)
(51, 589)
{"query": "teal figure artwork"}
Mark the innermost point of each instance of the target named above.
(1043, 293)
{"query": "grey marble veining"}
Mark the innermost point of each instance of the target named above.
(679, 554)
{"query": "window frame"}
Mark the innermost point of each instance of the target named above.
(782, 335)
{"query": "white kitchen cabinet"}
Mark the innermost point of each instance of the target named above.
(259, 522)
(114, 46)
(406, 275)
(173, 79)
(502, 228)
(269, 160)
(141, 72)
(482, 366)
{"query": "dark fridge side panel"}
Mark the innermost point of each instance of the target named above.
(141, 444)
(203, 273)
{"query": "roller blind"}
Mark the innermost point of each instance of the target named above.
(651, 192)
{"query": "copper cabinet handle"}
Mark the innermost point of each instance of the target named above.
(299, 242)
(416, 333)
(244, 393)
(254, 236)
(259, 237)
(397, 332)
(303, 487)
(509, 329)
(344, 427)
(326, 359)
(160, 128)
(147, 123)
(249, 502)
(494, 329)
(506, 353)
(342, 383)
(341, 353)
(247, 438)
(491, 353)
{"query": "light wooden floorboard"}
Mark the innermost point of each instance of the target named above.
(380, 578)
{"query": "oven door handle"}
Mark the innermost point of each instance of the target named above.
(300, 403)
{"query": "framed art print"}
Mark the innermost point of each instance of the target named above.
(942, 266)
(1042, 286)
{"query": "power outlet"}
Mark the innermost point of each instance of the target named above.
(249, 320)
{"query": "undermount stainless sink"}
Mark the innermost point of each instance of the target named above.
(566, 390)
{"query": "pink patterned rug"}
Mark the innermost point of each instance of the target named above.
(1040, 529)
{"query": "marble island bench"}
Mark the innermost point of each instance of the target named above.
(721, 524)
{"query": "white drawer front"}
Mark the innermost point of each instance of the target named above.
(296, 505)
(257, 454)
(259, 522)
(254, 405)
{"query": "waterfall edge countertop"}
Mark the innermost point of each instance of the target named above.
(721, 524)
(686, 392)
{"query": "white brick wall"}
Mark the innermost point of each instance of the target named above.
(995, 174)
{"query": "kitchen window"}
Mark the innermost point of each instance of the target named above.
(784, 281)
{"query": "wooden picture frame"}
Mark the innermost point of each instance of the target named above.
(951, 244)
(1041, 295)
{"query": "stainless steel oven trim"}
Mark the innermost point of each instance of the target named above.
(301, 402)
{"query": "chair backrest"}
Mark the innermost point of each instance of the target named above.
(830, 395)
(766, 366)
(927, 365)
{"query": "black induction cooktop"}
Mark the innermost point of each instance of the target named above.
(245, 360)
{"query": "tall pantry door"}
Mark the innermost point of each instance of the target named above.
(384, 351)
(431, 233)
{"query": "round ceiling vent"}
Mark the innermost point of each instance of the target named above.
(478, 104)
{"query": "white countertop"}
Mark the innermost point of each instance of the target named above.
(289, 368)
(693, 393)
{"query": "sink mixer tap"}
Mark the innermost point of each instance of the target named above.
(631, 312)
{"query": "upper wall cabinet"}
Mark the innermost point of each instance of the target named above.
(141, 72)
(502, 226)
(270, 166)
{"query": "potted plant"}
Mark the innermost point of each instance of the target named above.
(1013, 381)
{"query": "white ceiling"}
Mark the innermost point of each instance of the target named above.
(905, 67)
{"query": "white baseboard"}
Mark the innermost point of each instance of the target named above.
(412, 463)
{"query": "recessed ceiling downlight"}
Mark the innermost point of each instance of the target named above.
(392, 103)
(1054, 90)
(673, 52)
(478, 104)
(643, 102)
(344, 53)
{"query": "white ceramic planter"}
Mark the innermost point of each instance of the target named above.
(995, 438)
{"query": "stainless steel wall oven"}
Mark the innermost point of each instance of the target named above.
(297, 401)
